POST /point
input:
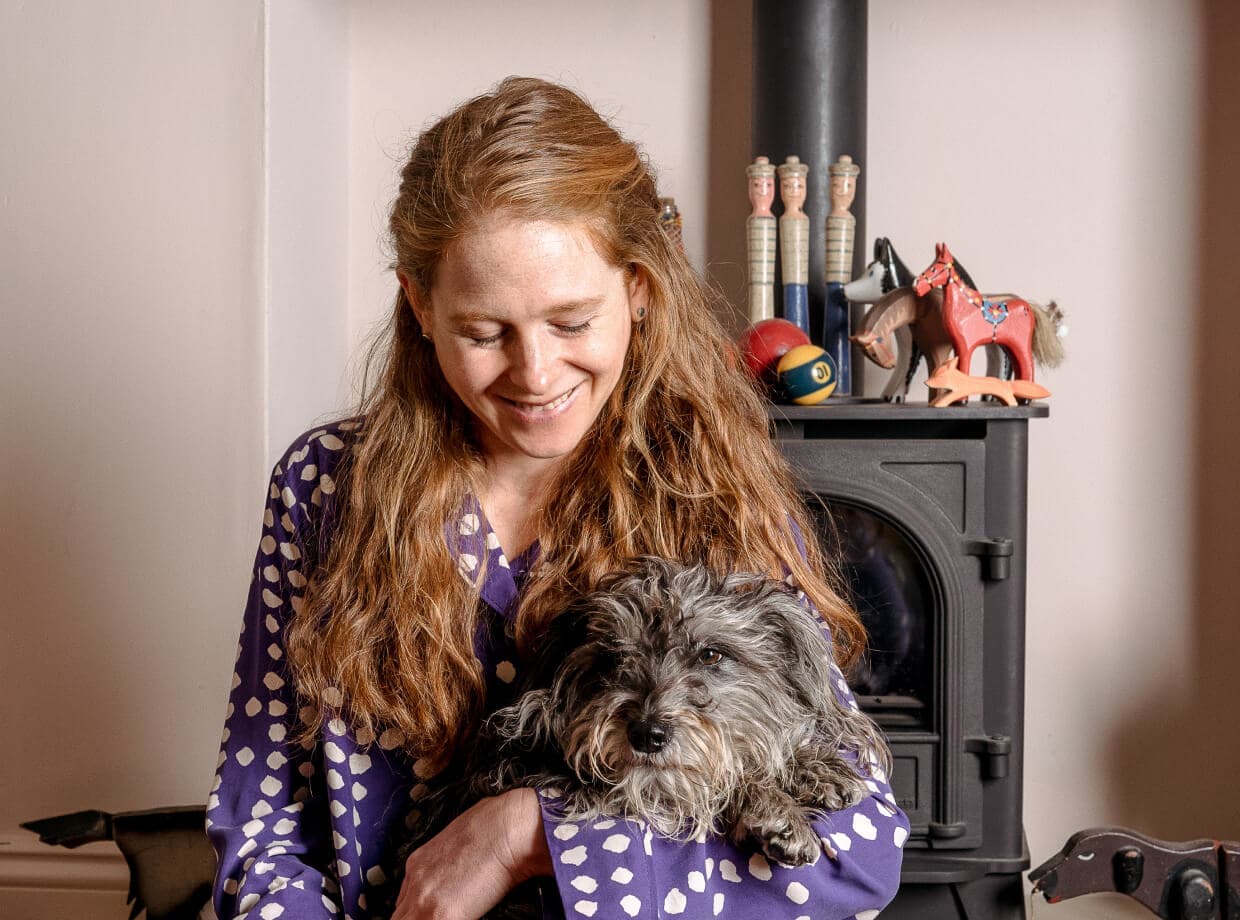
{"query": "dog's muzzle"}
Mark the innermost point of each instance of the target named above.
(649, 737)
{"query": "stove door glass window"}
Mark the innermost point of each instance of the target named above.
(889, 586)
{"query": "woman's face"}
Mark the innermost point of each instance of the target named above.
(530, 326)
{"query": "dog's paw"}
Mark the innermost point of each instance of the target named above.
(796, 844)
(842, 793)
(829, 783)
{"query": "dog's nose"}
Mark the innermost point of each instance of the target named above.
(649, 737)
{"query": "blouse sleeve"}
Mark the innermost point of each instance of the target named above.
(621, 869)
(267, 815)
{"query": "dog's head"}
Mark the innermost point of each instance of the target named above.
(669, 686)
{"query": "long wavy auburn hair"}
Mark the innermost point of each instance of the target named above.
(678, 464)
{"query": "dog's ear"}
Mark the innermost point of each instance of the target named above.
(562, 635)
(529, 726)
(806, 651)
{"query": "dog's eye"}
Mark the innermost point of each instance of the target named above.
(710, 656)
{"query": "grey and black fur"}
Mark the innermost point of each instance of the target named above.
(693, 702)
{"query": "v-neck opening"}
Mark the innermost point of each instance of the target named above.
(481, 560)
(519, 563)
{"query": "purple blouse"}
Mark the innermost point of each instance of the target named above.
(307, 831)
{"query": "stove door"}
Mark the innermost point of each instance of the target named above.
(900, 519)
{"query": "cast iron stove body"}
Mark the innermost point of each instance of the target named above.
(927, 509)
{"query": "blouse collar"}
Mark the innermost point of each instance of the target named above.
(481, 561)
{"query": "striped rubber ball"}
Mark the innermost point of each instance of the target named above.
(807, 375)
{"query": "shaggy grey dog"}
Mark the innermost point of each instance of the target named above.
(694, 702)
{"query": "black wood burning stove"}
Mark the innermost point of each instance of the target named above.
(927, 509)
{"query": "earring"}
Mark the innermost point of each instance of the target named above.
(641, 314)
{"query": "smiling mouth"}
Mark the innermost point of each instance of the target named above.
(542, 408)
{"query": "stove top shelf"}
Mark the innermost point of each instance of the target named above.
(859, 409)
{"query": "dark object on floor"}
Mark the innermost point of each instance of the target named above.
(1198, 880)
(171, 863)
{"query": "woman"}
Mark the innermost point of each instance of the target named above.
(557, 398)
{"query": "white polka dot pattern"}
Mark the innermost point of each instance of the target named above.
(675, 902)
(864, 826)
(797, 892)
(759, 868)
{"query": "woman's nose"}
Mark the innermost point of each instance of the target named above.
(532, 359)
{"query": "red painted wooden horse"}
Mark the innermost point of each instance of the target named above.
(1026, 330)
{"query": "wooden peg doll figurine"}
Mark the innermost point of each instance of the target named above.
(671, 221)
(761, 234)
(794, 241)
(841, 225)
(841, 229)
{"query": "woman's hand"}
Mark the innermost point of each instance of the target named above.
(468, 867)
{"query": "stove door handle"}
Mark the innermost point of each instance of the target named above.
(995, 554)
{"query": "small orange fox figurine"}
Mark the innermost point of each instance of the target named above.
(958, 386)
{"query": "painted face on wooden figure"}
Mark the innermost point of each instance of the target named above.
(792, 191)
(530, 327)
(843, 191)
(843, 186)
(792, 176)
(761, 191)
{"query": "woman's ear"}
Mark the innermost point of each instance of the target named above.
(417, 302)
(639, 294)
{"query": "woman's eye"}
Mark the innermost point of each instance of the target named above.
(575, 328)
(484, 340)
(710, 656)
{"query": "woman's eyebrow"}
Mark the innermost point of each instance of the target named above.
(570, 306)
(567, 306)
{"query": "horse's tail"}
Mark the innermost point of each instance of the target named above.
(1047, 336)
